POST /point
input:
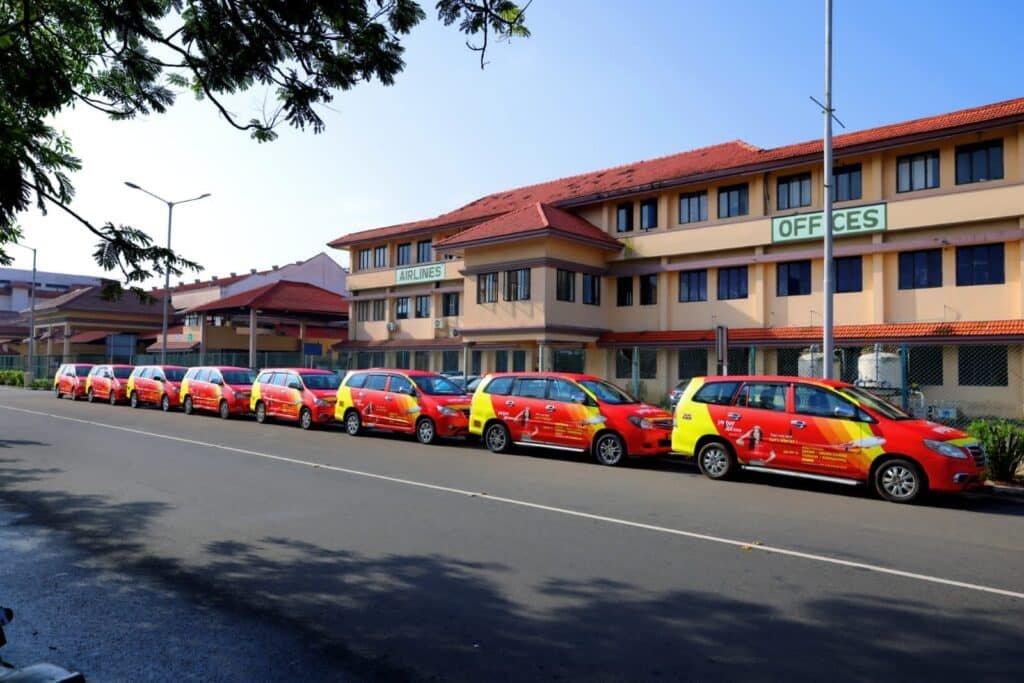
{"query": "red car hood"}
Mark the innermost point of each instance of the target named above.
(925, 429)
(644, 410)
(452, 400)
(239, 387)
(324, 393)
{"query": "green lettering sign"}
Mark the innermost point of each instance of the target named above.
(427, 273)
(858, 220)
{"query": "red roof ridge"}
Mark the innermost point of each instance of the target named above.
(519, 223)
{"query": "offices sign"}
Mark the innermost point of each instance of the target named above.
(414, 274)
(858, 220)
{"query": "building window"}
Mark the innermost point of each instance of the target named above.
(403, 254)
(402, 360)
(917, 172)
(693, 207)
(565, 285)
(981, 264)
(693, 286)
(424, 253)
(450, 361)
(421, 360)
(846, 183)
(732, 283)
(980, 162)
(362, 311)
(380, 257)
(519, 361)
(569, 360)
(649, 289)
(501, 361)
(794, 191)
(692, 363)
(378, 308)
(365, 259)
(624, 217)
(486, 288)
(849, 276)
(920, 269)
(423, 306)
(732, 201)
(793, 278)
(624, 291)
(591, 289)
(517, 285)
(369, 359)
(475, 362)
(739, 360)
(924, 366)
(450, 304)
(402, 308)
(648, 214)
(787, 362)
(983, 366)
(648, 361)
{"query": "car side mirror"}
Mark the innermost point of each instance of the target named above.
(294, 385)
(845, 412)
(218, 382)
(578, 397)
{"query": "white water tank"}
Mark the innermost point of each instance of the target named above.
(811, 364)
(879, 368)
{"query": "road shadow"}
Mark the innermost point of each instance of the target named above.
(10, 443)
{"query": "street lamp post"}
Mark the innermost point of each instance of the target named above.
(30, 373)
(167, 270)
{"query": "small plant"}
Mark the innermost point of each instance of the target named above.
(43, 384)
(12, 378)
(1003, 441)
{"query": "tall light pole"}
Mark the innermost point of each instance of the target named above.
(167, 270)
(30, 374)
(826, 325)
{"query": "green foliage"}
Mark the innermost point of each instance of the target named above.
(131, 58)
(1003, 441)
(43, 384)
(12, 378)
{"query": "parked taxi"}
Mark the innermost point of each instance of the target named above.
(155, 385)
(409, 401)
(567, 412)
(821, 429)
(222, 390)
(70, 380)
(108, 383)
(300, 395)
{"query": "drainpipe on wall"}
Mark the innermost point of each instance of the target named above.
(636, 371)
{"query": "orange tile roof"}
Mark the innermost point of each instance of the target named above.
(677, 168)
(881, 332)
(282, 296)
(533, 220)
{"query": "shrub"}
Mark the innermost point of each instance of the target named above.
(12, 378)
(1004, 445)
(41, 384)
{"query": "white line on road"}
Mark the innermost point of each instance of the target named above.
(746, 545)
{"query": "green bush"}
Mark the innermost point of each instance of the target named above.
(12, 378)
(1004, 445)
(42, 384)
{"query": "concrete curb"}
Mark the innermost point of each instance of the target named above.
(1000, 490)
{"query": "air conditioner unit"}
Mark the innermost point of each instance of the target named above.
(392, 326)
(454, 332)
(439, 323)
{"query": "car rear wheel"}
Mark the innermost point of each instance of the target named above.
(353, 425)
(610, 450)
(224, 410)
(189, 408)
(716, 461)
(261, 412)
(496, 438)
(134, 400)
(426, 432)
(165, 403)
(305, 418)
(899, 481)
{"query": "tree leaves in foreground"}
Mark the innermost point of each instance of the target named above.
(131, 58)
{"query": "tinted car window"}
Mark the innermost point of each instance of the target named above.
(531, 387)
(357, 380)
(174, 374)
(264, 377)
(203, 375)
(762, 396)
(278, 379)
(719, 393)
(377, 382)
(564, 391)
(81, 371)
(500, 386)
(321, 380)
(810, 400)
(122, 373)
(400, 385)
(238, 376)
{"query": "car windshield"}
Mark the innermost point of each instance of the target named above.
(321, 380)
(607, 392)
(174, 374)
(436, 385)
(880, 406)
(82, 371)
(122, 373)
(238, 376)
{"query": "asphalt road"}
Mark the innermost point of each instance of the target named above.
(395, 560)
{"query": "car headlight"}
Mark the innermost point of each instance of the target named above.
(945, 448)
(641, 422)
(447, 412)
(321, 403)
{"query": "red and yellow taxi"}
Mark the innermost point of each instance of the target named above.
(409, 401)
(217, 389)
(299, 395)
(567, 412)
(155, 385)
(824, 430)
(108, 383)
(70, 380)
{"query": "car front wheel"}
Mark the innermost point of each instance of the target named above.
(610, 450)
(165, 403)
(899, 481)
(426, 432)
(305, 418)
(224, 410)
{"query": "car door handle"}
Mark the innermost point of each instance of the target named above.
(387, 397)
(734, 416)
(361, 394)
(550, 408)
(510, 403)
(799, 424)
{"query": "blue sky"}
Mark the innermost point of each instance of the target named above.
(600, 83)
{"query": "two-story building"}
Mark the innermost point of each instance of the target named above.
(626, 272)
